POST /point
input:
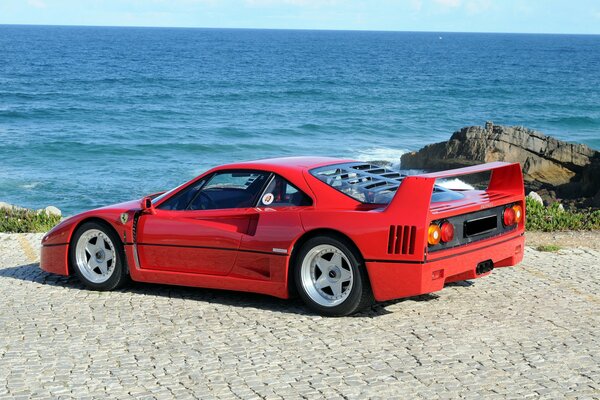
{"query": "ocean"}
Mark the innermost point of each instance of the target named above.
(96, 115)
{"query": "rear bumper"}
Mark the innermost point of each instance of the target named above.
(393, 280)
(54, 259)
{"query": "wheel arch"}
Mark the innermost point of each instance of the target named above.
(291, 283)
(99, 221)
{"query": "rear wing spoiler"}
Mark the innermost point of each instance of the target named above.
(414, 193)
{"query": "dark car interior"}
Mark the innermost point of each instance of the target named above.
(237, 190)
(229, 196)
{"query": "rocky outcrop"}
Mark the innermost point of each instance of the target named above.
(50, 210)
(536, 197)
(554, 168)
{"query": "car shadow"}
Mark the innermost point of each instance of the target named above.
(33, 273)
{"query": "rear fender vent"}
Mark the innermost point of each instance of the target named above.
(401, 239)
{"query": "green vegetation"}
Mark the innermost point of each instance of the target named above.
(539, 218)
(21, 220)
(553, 218)
(548, 247)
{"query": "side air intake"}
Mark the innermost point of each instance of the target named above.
(401, 239)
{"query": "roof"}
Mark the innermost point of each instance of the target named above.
(297, 163)
(293, 169)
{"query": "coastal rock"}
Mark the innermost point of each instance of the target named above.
(51, 210)
(535, 197)
(8, 206)
(564, 170)
(590, 179)
(595, 202)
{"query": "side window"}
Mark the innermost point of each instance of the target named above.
(281, 193)
(230, 189)
(181, 200)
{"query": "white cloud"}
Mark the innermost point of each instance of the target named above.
(416, 5)
(470, 6)
(36, 3)
(311, 3)
(448, 3)
(478, 6)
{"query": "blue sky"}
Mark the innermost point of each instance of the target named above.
(543, 16)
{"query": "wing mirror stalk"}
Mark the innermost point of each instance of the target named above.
(147, 206)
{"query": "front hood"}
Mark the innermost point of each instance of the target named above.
(61, 233)
(119, 207)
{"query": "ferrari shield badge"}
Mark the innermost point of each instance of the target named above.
(124, 218)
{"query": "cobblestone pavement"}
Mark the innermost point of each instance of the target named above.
(527, 332)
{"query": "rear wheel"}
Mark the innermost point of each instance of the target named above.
(330, 277)
(97, 257)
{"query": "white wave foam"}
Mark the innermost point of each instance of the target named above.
(31, 185)
(382, 154)
(454, 184)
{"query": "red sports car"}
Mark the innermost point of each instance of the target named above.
(340, 233)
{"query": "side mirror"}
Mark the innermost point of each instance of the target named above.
(147, 206)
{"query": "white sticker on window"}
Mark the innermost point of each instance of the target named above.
(268, 198)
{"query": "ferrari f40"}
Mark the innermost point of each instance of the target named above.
(340, 234)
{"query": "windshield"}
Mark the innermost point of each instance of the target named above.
(371, 184)
(165, 194)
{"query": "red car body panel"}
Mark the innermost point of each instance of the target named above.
(391, 280)
(252, 249)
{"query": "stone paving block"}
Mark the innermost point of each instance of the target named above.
(532, 331)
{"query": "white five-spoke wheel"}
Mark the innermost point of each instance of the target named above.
(97, 257)
(326, 275)
(330, 278)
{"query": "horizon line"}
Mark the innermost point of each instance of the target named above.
(301, 29)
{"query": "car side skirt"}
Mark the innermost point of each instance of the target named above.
(269, 287)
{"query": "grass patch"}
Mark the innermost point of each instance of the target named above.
(548, 247)
(552, 218)
(21, 221)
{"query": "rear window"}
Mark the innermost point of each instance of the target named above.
(371, 184)
(366, 183)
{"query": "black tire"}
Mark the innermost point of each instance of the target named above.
(118, 276)
(357, 298)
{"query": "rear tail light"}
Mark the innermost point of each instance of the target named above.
(447, 232)
(443, 232)
(509, 216)
(434, 234)
(518, 213)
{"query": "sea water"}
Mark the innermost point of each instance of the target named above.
(95, 115)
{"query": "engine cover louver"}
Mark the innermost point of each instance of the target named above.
(401, 239)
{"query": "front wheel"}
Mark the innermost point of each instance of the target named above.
(97, 257)
(330, 278)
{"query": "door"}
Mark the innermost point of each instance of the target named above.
(263, 254)
(202, 233)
